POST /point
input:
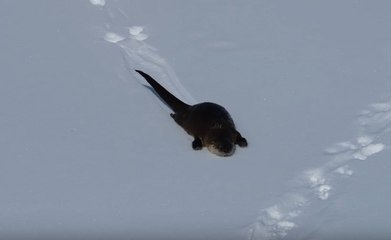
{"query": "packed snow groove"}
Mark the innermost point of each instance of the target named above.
(277, 220)
(138, 54)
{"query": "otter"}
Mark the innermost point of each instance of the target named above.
(209, 123)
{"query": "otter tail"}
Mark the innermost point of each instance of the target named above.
(173, 102)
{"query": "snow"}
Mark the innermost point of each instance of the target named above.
(98, 2)
(136, 32)
(89, 152)
(113, 37)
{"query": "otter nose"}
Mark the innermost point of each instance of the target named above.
(225, 147)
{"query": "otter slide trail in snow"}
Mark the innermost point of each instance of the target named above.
(89, 152)
(140, 55)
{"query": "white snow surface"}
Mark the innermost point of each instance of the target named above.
(89, 152)
(98, 2)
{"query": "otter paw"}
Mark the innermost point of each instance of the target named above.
(197, 144)
(242, 142)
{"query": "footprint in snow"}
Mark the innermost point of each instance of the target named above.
(136, 32)
(276, 221)
(98, 2)
(360, 149)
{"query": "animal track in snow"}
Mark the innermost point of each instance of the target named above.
(276, 221)
(140, 55)
(344, 170)
(98, 2)
(369, 150)
(360, 149)
(318, 183)
(136, 32)
(113, 37)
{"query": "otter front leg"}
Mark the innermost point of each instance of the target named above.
(197, 143)
(241, 141)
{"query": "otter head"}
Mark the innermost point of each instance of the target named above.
(220, 141)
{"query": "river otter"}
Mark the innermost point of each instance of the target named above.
(209, 123)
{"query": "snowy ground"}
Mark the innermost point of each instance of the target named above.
(87, 152)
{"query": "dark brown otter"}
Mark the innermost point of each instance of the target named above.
(209, 123)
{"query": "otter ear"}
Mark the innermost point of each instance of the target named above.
(197, 144)
(241, 141)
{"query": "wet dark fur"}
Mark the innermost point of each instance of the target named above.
(209, 123)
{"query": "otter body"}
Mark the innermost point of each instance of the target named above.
(209, 123)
